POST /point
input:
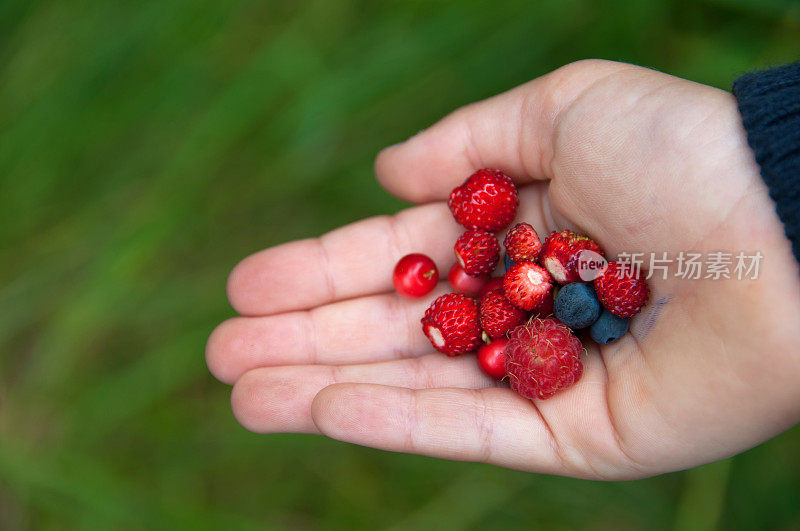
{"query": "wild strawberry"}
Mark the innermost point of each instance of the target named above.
(542, 358)
(478, 252)
(522, 243)
(451, 323)
(622, 289)
(560, 254)
(487, 200)
(498, 316)
(527, 285)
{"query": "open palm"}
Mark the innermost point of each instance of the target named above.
(642, 162)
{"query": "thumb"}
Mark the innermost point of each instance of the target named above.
(512, 131)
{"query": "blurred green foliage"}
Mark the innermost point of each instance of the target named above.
(147, 146)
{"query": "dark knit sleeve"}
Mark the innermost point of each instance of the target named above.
(769, 103)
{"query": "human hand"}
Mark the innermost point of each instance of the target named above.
(640, 161)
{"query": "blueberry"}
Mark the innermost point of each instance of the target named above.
(609, 328)
(507, 261)
(577, 306)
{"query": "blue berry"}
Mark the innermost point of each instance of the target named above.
(577, 306)
(609, 328)
(507, 261)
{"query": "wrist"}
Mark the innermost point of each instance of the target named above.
(769, 103)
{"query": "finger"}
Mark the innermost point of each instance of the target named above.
(357, 260)
(513, 131)
(278, 399)
(569, 434)
(367, 329)
(487, 425)
(352, 261)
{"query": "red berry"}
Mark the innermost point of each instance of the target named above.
(546, 307)
(477, 251)
(492, 358)
(415, 275)
(522, 243)
(542, 358)
(527, 285)
(487, 200)
(560, 254)
(452, 325)
(622, 289)
(492, 284)
(464, 283)
(498, 315)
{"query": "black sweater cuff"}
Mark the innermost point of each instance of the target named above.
(769, 103)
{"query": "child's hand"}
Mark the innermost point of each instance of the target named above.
(639, 160)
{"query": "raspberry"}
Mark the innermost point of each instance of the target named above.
(452, 325)
(487, 200)
(522, 243)
(498, 316)
(477, 252)
(542, 358)
(622, 289)
(560, 254)
(527, 285)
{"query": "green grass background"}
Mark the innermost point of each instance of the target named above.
(145, 147)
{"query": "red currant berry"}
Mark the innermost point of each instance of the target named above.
(492, 358)
(464, 283)
(415, 275)
(493, 283)
(546, 307)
